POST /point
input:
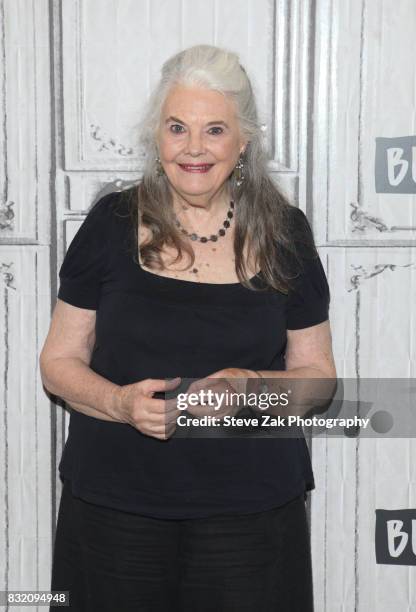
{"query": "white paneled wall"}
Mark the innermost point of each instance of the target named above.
(330, 77)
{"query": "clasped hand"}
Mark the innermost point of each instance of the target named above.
(157, 418)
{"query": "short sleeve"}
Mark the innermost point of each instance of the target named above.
(309, 299)
(85, 261)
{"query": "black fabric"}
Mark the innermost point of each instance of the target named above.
(112, 560)
(148, 326)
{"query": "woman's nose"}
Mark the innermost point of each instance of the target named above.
(195, 143)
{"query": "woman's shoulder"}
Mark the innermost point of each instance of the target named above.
(114, 203)
(301, 235)
(111, 214)
(299, 224)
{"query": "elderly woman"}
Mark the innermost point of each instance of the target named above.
(202, 270)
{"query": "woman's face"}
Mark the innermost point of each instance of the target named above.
(199, 141)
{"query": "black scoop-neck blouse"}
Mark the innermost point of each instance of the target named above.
(150, 326)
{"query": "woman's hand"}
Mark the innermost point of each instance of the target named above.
(222, 383)
(136, 406)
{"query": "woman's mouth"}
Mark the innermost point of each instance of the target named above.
(196, 167)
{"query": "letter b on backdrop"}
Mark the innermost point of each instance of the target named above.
(396, 537)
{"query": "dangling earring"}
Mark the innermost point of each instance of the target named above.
(159, 171)
(240, 172)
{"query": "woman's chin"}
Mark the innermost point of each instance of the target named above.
(195, 189)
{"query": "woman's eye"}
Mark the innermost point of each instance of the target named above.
(176, 131)
(217, 130)
(176, 128)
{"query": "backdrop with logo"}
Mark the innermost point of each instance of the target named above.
(335, 84)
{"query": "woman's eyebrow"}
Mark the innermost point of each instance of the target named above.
(176, 120)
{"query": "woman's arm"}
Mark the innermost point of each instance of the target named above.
(310, 377)
(64, 364)
(308, 356)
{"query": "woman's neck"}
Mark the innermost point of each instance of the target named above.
(205, 215)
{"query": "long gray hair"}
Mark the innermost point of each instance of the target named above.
(278, 234)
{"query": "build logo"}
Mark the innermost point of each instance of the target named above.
(396, 537)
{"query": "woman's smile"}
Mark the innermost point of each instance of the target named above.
(200, 168)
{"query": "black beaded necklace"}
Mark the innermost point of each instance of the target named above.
(213, 237)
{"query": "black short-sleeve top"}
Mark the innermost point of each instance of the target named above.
(150, 326)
